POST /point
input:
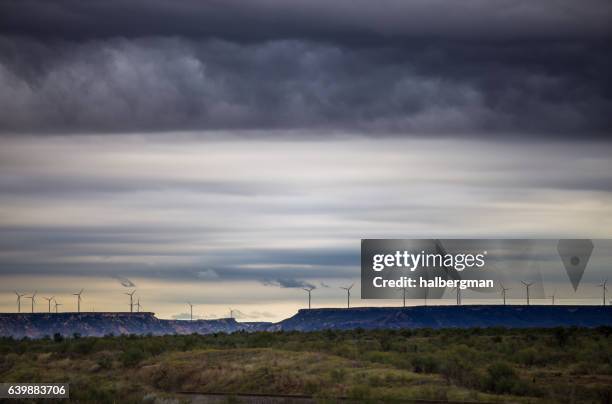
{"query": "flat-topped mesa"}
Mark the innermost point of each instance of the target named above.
(38, 325)
(466, 316)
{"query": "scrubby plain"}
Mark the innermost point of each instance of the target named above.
(493, 365)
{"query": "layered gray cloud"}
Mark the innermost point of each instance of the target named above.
(353, 21)
(317, 199)
(494, 68)
(288, 283)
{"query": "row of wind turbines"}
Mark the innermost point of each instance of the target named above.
(502, 288)
(57, 304)
(603, 285)
(232, 312)
(308, 290)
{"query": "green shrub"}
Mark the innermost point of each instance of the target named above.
(501, 378)
(83, 346)
(132, 356)
(338, 375)
(361, 393)
(105, 362)
(425, 364)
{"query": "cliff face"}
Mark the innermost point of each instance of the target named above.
(37, 325)
(448, 317)
(211, 326)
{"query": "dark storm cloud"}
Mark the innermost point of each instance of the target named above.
(354, 21)
(163, 84)
(435, 66)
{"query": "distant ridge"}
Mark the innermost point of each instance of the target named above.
(38, 325)
(467, 316)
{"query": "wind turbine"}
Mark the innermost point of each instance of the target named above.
(78, 295)
(138, 305)
(48, 299)
(553, 297)
(458, 296)
(191, 311)
(33, 297)
(503, 290)
(604, 287)
(19, 296)
(131, 295)
(57, 305)
(403, 296)
(527, 285)
(348, 295)
(309, 289)
(231, 313)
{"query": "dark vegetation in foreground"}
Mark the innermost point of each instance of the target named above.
(518, 365)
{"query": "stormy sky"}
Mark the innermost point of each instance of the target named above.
(231, 153)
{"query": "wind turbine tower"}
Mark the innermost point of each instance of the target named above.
(49, 299)
(138, 305)
(78, 295)
(348, 295)
(131, 295)
(190, 311)
(19, 296)
(604, 287)
(403, 296)
(527, 285)
(56, 306)
(33, 297)
(309, 290)
(503, 291)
